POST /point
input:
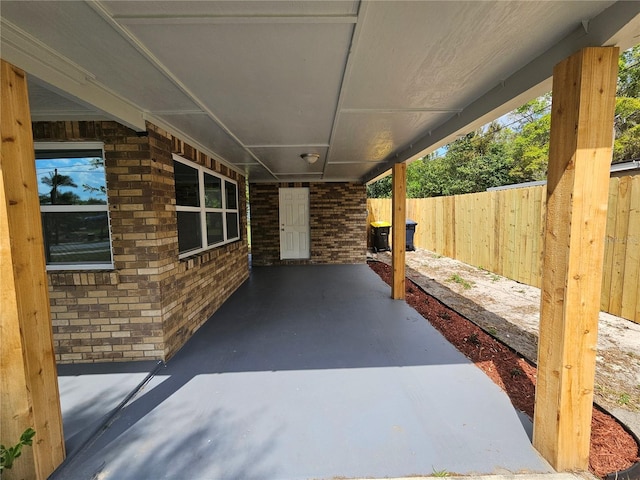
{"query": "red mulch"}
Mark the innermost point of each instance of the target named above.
(613, 449)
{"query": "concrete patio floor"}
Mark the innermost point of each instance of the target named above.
(307, 372)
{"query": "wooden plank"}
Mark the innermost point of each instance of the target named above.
(531, 227)
(620, 245)
(491, 227)
(450, 211)
(29, 394)
(398, 229)
(510, 235)
(497, 236)
(634, 245)
(486, 220)
(533, 234)
(612, 210)
(632, 260)
(458, 228)
(543, 231)
(521, 235)
(584, 87)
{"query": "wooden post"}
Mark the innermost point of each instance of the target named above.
(584, 87)
(398, 229)
(28, 383)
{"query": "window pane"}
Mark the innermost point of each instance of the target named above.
(214, 228)
(212, 191)
(187, 191)
(76, 237)
(189, 232)
(232, 195)
(232, 225)
(71, 178)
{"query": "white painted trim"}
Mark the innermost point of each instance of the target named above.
(127, 35)
(357, 29)
(203, 210)
(400, 110)
(69, 146)
(179, 134)
(78, 208)
(37, 59)
(72, 267)
(284, 145)
(305, 230)
(232, 19)
(28, 45)
(74, 208)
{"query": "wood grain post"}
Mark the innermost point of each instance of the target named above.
(398, 229)
(584, 87)
(28, 383)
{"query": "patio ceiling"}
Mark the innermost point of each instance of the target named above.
(257, 84)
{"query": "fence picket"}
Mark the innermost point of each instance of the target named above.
(502, 231)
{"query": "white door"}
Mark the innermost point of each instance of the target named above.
(294, 223)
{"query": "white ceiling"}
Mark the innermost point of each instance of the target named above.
(258, 83)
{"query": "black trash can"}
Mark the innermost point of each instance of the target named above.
(380, 236)
(411, 230)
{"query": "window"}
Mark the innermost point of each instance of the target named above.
(73, 204)
(207, 208)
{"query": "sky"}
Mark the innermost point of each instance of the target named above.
(83, 171)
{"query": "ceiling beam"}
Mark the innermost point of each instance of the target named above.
(618, 25)
(348, 67)
(127, 35)
(231, 19)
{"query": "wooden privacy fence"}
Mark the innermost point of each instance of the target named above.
(502, 231)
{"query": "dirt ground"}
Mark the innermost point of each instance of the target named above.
(509, 311)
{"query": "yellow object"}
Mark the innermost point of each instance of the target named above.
(380, 224)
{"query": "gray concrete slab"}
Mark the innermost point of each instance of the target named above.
(91, 392)
(312, 372)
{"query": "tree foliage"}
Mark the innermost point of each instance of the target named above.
(516, 149)
(55, 181)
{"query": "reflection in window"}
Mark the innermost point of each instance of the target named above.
(215, 232)
(207, 207)
(73, 203)
(212, 191)
(187, 185)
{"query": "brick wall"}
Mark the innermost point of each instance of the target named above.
(194, 288)
(151, 302)
(337, 214)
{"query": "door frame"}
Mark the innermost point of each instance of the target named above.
(303, 254)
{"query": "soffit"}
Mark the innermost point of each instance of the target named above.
(256, 84)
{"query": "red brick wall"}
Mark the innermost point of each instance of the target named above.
(337, 214)
(149, 305)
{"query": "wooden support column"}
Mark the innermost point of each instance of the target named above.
(584, 87)
(28, 383)
(398, 229)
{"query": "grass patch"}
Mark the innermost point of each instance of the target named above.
(455, 278)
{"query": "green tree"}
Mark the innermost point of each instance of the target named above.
(380, 188)
(55, 181)
(518, 151)
(629, 73)
(532, 125)
(480, 160)
(627, 120)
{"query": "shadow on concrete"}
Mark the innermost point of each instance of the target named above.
(310, 372)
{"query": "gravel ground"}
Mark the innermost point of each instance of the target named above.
(510, 311)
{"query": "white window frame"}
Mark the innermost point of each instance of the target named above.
(203, 210)
(78, 208)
